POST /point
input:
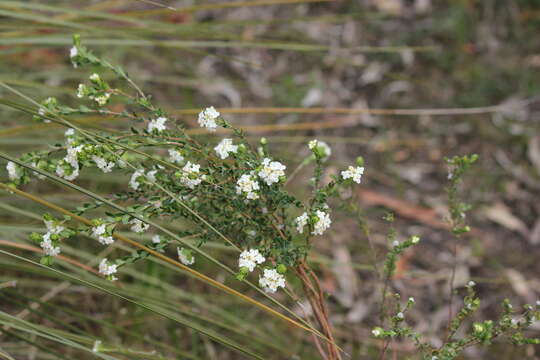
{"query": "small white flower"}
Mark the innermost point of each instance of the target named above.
(73, 52)
(225, 147)
(73, 171)
(354, 173)
(100, 233)
(157, 124)
(175, 156)
(246, 185)
(301, 222)
(103, 164)
(185, 256)
(134, 181)
(97, 346)
(250, 258)
(138, 226)
(271, 280)
(81, 91)
(323, 147)
(411, 300)
(271, 171)
(151, 176)
(156, 239)
(415, 239)
(94, 77)
(13, 171)
(69, 132)
(376, 332)
(108, 270)
(400, 315)
(323, 222)
(471, 283)
(537, 302)
(102, 99)
(207, 118)
(395, 243)
(191, 175)
(53, 227)
(48, 248)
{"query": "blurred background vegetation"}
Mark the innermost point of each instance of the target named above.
(403, 83)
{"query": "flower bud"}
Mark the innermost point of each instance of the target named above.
(281, 268)
(242, 273)
(35, 237)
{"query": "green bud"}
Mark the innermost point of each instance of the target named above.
(378, 332)
(47, 260)
(461, 230)
(242, 148)
(77, 39)
(478, 328)
(264, 141)
(360, 161)
(242, 273)
(35, 237)
(47, 217)
(281, 268)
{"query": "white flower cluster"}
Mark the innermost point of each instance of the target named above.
(248, 186)
(157, 124)
(138, 226)
(191, 176)
(68, 167)
(101, 233)
(135, 180)
(354, 173)
(175, 156)
(48, 247)
(323, 222)
(82, 90)
(271, 171)
(53, 228)
(102, 164)
(14, 172)
(301, 222)
(151, 175)
(69, 134)
(108, 269)
(250, 258)
(226, 147)
(207, 118)
(271, 280)
(101, 99)
(185, 256)
(73, 52)
(322, 147)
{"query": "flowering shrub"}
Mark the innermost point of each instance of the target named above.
(223, 190)
(227, 190)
